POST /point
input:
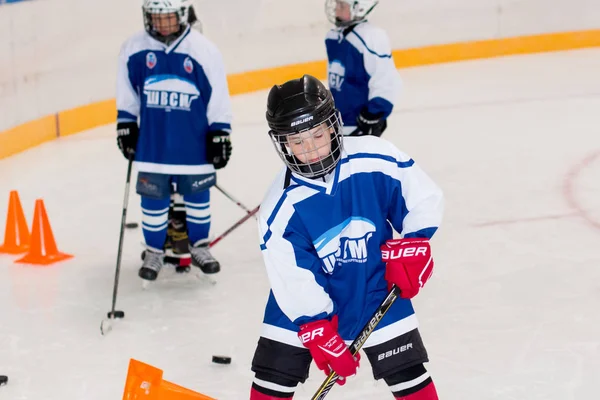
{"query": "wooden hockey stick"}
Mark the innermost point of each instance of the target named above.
(358, 343)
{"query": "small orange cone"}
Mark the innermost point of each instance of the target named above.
(16, 234)
(145, 382)
(43, 249)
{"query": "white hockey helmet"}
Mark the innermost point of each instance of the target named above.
(183, 9)
(359, 9)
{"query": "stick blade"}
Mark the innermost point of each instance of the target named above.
(115, 314)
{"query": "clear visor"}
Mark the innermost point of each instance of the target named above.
(312, 152)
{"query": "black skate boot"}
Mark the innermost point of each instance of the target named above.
(202, 258)
(153, 262)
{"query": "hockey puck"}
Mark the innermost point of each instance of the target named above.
(131, 225)
(3, 380)
(117, 314)
(221, 359)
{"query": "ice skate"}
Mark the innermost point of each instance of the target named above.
(203, 259)
(153, 263)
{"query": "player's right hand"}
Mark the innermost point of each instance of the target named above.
(328, 349)
(127, 137)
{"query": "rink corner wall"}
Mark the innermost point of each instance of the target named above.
(83, 118)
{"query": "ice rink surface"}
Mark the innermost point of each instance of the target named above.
(512, 312)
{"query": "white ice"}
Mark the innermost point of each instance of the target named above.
(513, 310)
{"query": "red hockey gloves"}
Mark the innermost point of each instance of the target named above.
(369, 124)
(328, 349)
(218, 148)
(127, 137)
(409, 264)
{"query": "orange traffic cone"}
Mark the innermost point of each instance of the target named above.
(16, 234)
(145, 382)
(43, 249)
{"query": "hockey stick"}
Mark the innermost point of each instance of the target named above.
(358, 343)
(243, 207)
(234, 226)
(106, 324)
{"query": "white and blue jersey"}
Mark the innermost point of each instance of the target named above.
(361, 71)
(178, 93)
(321, 240)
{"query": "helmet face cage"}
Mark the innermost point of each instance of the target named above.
(314, 151)
(184, 16)
(359, 9)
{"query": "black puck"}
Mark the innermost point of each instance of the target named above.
(117, 314)
(3, 380)
(131, 225)
(221, 359)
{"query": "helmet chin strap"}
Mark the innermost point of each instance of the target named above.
(340, 23)
(167, 40)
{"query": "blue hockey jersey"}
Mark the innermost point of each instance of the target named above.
(361, 72)
(321, 240)
(178, 93)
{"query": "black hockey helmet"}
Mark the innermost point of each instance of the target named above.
(305, 126)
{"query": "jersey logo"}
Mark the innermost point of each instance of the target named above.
(188, 66)
(170, 92)
(151, 60)
(337, 72)
(345, 243)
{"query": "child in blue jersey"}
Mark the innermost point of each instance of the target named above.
(362, 76)
(174, 118)
(326, 227)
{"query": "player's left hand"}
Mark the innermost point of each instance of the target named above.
(328, 349)
(369, 124)
(409, 264)
(218, 148)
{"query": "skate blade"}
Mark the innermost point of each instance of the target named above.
(146, 284)
(202, 277)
